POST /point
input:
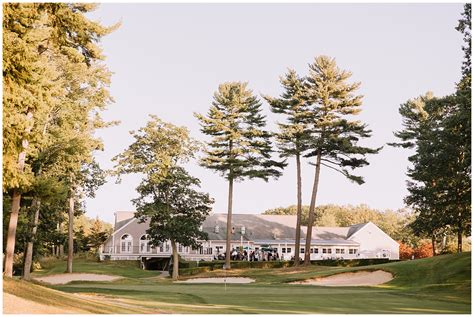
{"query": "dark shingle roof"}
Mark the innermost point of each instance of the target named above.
(354, 228)
(257, 227)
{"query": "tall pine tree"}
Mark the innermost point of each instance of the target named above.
(293, 135)
(334, 136)
(240, 147)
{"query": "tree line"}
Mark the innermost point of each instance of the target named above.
(438, 130)
(55, 85)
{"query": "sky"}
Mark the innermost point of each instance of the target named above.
(168, 60)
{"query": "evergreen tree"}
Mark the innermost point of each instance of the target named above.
(175, 210)
(439, 130)
(98, 235)
(293, 135)
(334, 137)
(53, 49)
(240, 147)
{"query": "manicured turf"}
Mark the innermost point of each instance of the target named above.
(435, 285)
(47, 296)
(82, 265)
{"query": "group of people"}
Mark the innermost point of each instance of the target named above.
(253, 255)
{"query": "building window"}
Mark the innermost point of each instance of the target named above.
(325, 250)
(352, 251)
(314, 250)
(302, 250)
(288, 250)
(145, 246)
(329, 251)
(126, 242)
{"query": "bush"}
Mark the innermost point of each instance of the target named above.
(424, 250)
(192, 271)
(406, 252)
(350, 263)
(191, 268)
(18, 263)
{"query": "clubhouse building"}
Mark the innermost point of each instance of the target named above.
(129, 240)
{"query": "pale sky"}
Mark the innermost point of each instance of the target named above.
(168, 59)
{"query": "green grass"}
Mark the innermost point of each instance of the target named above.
(128, 269)
(434, 285)
(47, 296)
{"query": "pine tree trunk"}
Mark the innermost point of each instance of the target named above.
(175, 260)
(15, 209)
(29, 247)
(59, 248)
(229, 224)
(312, 206)
(10, 247)
(70, 250)
(298, 211)
(459, 237)
(433, 245)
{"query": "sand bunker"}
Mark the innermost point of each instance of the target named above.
(362, 278)
(219, 280)
(69, 277)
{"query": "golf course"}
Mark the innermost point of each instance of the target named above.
(437, 285)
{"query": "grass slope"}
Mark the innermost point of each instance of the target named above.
(434, 285)
(128, 269)
(47, 296)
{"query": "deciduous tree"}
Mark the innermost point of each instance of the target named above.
(175, 210)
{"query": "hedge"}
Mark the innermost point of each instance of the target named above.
(350, 263)
(187, 268)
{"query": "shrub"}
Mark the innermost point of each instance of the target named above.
(192, 271)
(350, 263)
(424, 250)
(191, 268)
(406, 252)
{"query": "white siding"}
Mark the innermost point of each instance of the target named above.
(374, 243)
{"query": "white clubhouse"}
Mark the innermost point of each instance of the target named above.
(129, 240)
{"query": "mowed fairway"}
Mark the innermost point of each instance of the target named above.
(435, 285)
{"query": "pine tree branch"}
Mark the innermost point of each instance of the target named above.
(329, 161)
(337, 170)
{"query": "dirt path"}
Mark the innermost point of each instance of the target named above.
(363, 278)
(69, 277)
(16, 305)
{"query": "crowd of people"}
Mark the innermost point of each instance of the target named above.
(251, 255)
